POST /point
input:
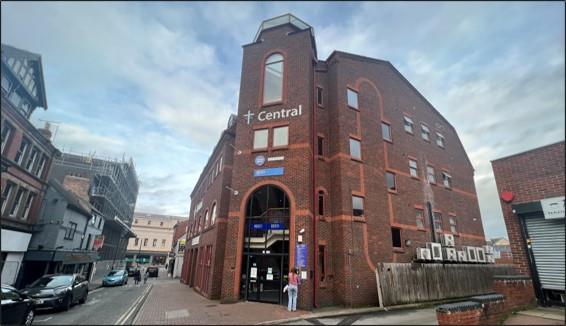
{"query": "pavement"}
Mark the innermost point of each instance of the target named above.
(537, 316)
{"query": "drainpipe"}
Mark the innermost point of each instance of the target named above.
(431, 218)
(314, 137)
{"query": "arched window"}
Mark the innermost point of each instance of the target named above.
(213, 215)
(321, 203)
(206, 221)
(199, 227)
(273, 79)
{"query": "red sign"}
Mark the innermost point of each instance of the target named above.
(98, 242)
(507, 196)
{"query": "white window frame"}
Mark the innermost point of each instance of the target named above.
(359, 145)
(213, 214)
(23, 152)
(429, 174)
(414, 168)
(17, 203)
(408, 125)
(389, 136)
(353, 92)
(446, 180)
(274, 59)
(425, 131)
(41, 165)
(260, 133)
(283, 134)
(10, 186)
(8, 129)
(440, 140)
(29, 203)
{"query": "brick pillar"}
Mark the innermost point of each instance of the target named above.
(516, 241)
(518, 290)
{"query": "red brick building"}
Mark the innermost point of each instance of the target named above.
(27, 154)
(330, 165)
(531, 189)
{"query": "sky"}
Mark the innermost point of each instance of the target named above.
(157, 81)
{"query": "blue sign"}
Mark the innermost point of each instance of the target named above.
(269, 172)
(301, 256)
(259, 160)
(268, 226)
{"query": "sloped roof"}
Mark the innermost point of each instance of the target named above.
(72, 200)
(32, 59)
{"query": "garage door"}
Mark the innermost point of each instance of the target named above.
(547, 240)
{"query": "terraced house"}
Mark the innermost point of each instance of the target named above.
(332, 166)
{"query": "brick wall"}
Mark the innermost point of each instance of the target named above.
(519, 292)
(531, 176)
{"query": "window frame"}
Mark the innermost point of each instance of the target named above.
(437, 220)
(256, 131)
(320, 96)
(323, 266)
(70, 231)
(389, 174)
(446, 177)
(408, 122)
(359, 142)
(425, 130)
(453, 224)
(421, 218)
(415, 168)
(7, 195)
(393, 238)
(353, 206)
(8, 131)
(21, 154)
(213, 214)
(429, 174)
(442, 139)
(389, 133)
(352, 91)
(283, 79)
(14, 210)
(29, 204)
(286, 127)
(321, 203)
(320, 146)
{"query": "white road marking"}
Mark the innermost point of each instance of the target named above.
(42, 320)
(91, 302)
(122, 320)
(96, 290)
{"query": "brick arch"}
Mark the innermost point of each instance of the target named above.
(362, 80)
(242, 217)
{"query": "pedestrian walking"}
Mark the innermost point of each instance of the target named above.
(293, 289)
(137, 276)
(145, 276)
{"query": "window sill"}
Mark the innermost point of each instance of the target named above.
(388, 140)
(399, 250)
(279, 148)
(394, 192)
(410, 133)
(432, 183)
(421, 229)
(353, 108)
(359, 160)
(415, 178)
(322, 158)
(259, 150)
(361, 219)
(448, 188)
(321, 218)
(428, 141)
(320, 106)
(264, 105)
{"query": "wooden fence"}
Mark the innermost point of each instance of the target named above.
(403, 283)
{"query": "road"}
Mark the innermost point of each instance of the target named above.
(397, 317)
(105, 306)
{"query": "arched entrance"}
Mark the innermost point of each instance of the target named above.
(265, 259)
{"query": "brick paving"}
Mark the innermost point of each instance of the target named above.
(173, 303)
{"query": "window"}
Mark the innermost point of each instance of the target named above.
(213, 215)
(6, 84)
(136, 242)
(357, 206)
(453, 224)
(321, 203)
(206, 221)
(320, 146)
(413, 168)
(163, 243)
(149, 222)
(439, 140)
(352, 99)
(319, 99)
(396, 237)
(70, 232)
(437, 217)
(425, 132)
(17, 202)
(281, 136)
(408, 124)
(7, 131)
(31, 160)
(6, 194)
(447, 180)
(273, 79)
(154, 242)
(322, 262)
(419, 216)
(260, 138)
(39, 168)
(145, 242)
(29, 203)
(22, 151)
(160, 223)
(390, 179)
(386, 131)
(355, 149)
(430, 174)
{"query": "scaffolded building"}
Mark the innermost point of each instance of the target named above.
(113, 191)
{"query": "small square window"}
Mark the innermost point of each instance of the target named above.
(352, 99)
(413, 168)
(357, 206)
(281, 136)
(260, 138)
(430, 174)
(439, 140)
(386, 131)
(408, 124)
(396, 238)
(447, 180)
(390, 178)
(355, 149)
(425, 133)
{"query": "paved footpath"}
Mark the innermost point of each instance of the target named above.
(174, 303)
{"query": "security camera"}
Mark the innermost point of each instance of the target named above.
(302, 231)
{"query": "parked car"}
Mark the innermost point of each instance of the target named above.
(59, 291)
(153, 271)
(17, 308)
(115, 277)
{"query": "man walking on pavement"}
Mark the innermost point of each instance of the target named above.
(145, 276)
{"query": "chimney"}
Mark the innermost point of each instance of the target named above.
(46, 131)
(78, 186)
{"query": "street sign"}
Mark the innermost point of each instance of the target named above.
(259, 160)
(269, 172)
(268, 226)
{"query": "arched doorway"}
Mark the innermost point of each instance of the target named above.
(265, 259)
